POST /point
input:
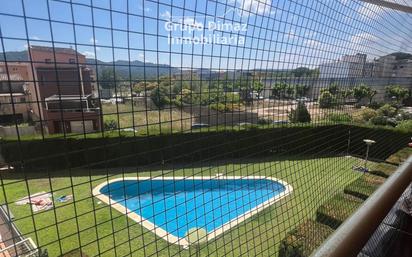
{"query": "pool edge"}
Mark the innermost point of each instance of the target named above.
(160, 232)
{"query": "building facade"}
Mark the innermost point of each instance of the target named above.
(15, 78)
(63, 90)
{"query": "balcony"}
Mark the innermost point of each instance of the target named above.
(70, 103)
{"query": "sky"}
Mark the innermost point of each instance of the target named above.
(220, 35)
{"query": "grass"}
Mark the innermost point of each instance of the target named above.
(364, 186)
(147, 121)
(400, 156)
(304, 239)
(337, 209)
(97, 228)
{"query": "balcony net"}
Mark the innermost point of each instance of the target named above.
(198, 128)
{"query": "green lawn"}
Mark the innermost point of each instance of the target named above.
(99, 228)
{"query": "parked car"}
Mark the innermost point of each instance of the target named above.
(280, 122)
(199, 125)
(303, 99)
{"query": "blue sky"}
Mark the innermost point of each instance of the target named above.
(279, 33)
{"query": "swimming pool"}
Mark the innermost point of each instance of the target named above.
(170, 206)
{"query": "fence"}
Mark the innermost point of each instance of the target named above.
(197, 128)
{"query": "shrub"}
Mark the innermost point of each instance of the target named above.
(327, 100)
(405, 125)
(339, 117)
(220, 107)
(364, 115)
(110, 124)
(262, 121)
(374, 105)
(387, 110)
(383, 121)
(300, 114)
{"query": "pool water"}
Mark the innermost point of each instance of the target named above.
(176, 205)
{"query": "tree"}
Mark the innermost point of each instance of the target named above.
(327, 100)
(160, 96)
(107, 78)
(300, 90)
(397, 92)
(278, 90)
(371, 94)
(361, 91)
(300, 114)
(258, 87)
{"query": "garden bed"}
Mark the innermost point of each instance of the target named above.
(337, 210)
(364, 186)
(304, 239)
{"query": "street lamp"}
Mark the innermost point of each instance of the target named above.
(368, 142)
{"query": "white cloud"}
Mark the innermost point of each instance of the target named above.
(363, 38)
(312, 43)
(166, 15)
(88, 54)
(247, 7)
(93, 41)
(35, 38)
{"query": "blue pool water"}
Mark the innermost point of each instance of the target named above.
(178, 205)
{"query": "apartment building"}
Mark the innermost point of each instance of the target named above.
(15, 78)
(350, 66)
(64, 88)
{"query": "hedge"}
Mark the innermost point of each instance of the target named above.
(56, 154)
(337, 209)
(364, 186)
(304, 239)
(383, 170)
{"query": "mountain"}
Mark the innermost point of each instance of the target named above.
(15, 56)
(138, 69)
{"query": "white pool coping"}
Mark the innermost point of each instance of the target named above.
(182, 241)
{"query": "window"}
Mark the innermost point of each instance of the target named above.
(22, 100)
(47, 60)
(72, 61)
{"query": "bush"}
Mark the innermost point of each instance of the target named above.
(327, 100)
(262, 121)
(364, 115)
(300, 114)
(405, 125)
(387, 110)
(383, 121)
(110, 124)
(339, 117)
(220, 107)
(375, 105)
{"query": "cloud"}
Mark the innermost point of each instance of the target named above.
(363, 38)
(312, 43)
(93, 41)
(247, 7)
(35, 38)
(88, 54)
(166, 15)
